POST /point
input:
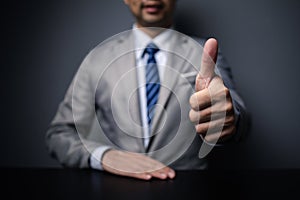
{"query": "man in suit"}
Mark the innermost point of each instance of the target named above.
(140, 100)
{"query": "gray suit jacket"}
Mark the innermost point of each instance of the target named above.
(101, 106)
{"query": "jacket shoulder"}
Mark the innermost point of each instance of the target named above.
(200, 40)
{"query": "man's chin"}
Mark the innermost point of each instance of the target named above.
(154, 23)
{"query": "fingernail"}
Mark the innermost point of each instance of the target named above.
(163, 175)
(171, 174)
(148, 176)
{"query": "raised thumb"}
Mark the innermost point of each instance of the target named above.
(208, 61)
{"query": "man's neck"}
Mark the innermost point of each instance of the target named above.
(152, 31)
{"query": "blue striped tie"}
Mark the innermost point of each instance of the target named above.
(152, 81)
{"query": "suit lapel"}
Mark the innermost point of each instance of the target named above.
(175, 65)
(183, 59)
(127, 94)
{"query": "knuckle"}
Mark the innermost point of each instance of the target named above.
(230, 119)
(191, 115)
(200, 128)
(227, 92)
(229, 107)
(193, 101)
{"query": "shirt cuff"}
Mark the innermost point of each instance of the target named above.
(96, 157)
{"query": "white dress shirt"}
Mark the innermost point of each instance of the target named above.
(141, 41)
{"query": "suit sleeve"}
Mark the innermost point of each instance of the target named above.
(66, 137)
(241, 114)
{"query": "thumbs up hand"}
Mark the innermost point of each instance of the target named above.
(211, 105)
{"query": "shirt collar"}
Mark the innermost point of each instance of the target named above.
(142, 40)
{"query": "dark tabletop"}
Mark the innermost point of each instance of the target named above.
(91, 184)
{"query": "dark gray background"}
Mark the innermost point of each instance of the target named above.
(44, 42)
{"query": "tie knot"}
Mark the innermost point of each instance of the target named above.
(151, 49)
